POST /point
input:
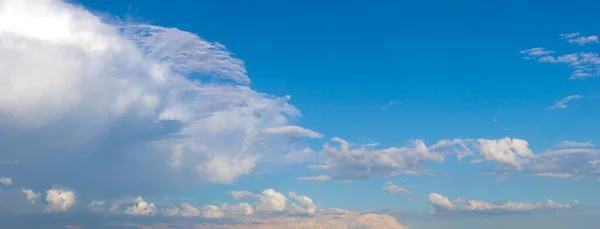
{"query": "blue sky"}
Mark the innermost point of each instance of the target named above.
(476, 102)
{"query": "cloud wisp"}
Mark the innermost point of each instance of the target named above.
(584, 64)
(443, 204)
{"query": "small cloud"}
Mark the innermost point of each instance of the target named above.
(555, 175)
(395, 189)
(576, 202)
(495, 120)
(572, 144)
(317, 178)
(240, 194)
(6, 181)
(561, 104)
(293, 131)
(390, 104)
(576, 38)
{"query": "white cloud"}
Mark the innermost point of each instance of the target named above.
(145, 116)
(6, 181)
(211, 211)
(186, 210)
(395, 189)
(584, 64)
(572, 144)
(576, 38)
(97, 206)
(561, 104)
(316, 178)
(240, 194)
(271, 201)
(141, 208)
(305, 204)
(363, 162)
(439, 202)
(554, 175)
(293, 131)
(505, 151)
(31, 196)
(60, 200)
(480, 205)
(240, 209)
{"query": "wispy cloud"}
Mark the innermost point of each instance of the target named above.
(395, 189)
(390, 104)
(584, 64)
(573, 144)
(576, 38)
(316, 178)
(563, 103)
(443, 204)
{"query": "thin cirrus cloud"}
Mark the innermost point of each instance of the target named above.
(576, 38)
(144, 119)
(443, 204)
(584, 64)
(563, 103)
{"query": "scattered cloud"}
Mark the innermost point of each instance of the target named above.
(294, 131)
(317, 178)
(395, 189)
(237, 195)
(561, 104)
(440, 203)
(576, 38)
(305, 205)
(60, 200)
(572, 144)
(390, 104)
(554, 175)
(584, 64)
(141, 208)
(31, 196)
(97, 206)
(6, 181)
(271, 201)
(480, 205)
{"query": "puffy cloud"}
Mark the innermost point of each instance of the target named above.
(60, 200)
(188, 211)
(293, 131)
(271, 201)
(239, 209)
(395, 189)
(505, 151)
(6, 181)
(316, 178)
(240, 194)
(141, 208)
(439, 202)
(31, 196)
(305, 204)
(211, 211)
(572, 144)
(161, 105)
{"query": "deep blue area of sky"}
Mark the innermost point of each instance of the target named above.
(454, 65)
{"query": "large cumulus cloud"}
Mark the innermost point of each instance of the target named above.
(136, 107)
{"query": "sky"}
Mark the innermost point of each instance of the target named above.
(268, 114)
